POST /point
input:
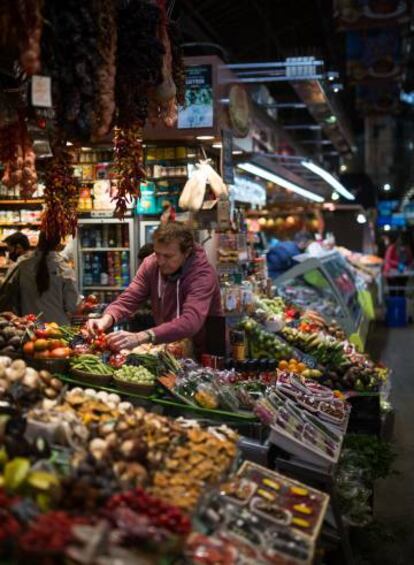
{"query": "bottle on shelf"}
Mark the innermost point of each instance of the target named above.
(111, 236)
(125, 268)
(87, 270)
(125, 236)
(105, 235)
(111, 274)
(98, 241)
(96, 270)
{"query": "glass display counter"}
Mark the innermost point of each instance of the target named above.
(326, 284)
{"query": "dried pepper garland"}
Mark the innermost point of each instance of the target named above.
(61, 197)
(128, 167)
(21, 25)
(103, 111)
(139, 60)
(18, 158)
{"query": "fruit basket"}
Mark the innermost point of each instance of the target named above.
(91, 378)
(135, 379)
(51, 365)
(138, 388)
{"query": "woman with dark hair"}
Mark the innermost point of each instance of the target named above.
(47, 283)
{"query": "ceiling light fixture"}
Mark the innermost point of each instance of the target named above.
(205, 137)
(330, 179)
(335, 196)
(387, 227)
(237, 152)
(343, 168)
(69, 143)
(86, 148)
(387, 187)
(361, 218)
(272, 177)
(217, 145)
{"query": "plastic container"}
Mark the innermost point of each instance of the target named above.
(396, 315)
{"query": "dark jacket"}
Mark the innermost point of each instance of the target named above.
(280, 258)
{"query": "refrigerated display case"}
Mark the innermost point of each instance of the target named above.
(326, 284)
(146, 229)
(106, 256)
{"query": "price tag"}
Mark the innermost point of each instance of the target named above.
(41, 91)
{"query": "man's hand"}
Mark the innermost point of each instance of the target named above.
(126, 340)
(96, 325)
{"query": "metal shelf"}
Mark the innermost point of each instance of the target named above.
(87, 249)
(101, 287)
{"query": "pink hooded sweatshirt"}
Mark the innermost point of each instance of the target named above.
(180, 303)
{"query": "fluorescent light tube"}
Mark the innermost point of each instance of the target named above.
(330, 179)
(272, 177)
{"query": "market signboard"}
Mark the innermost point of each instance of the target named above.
(198, 110)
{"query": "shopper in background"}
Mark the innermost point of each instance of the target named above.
(42, 283)
(18, 245)
(280, 256)
(398, 255)
(144, 252)
(182, 286)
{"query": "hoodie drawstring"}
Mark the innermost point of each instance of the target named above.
(178, 298)
(178, 292)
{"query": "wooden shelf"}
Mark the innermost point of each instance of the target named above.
(20, 224)
(30, 202)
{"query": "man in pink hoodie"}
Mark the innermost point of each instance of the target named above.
(181, 284)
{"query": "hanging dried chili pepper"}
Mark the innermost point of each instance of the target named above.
(61, 197)
(128, 167)
(18, 158)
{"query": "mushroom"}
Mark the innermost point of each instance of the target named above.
(98, 447)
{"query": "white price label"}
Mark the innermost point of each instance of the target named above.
(42, 91)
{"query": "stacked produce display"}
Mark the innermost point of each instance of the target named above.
(81, 462)
(83, 465)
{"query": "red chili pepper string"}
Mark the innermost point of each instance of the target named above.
(61, 197)
(128, 162)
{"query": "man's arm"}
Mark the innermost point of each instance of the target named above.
(133, 296)
(194, 311)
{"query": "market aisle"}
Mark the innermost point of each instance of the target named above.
(394, 496)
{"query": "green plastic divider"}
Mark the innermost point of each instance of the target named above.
(155, 399)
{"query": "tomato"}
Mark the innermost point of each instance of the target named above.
(41, 344)
(28, 348)
(60, 353)
(42, 334)
(55, 343)
(42, 354)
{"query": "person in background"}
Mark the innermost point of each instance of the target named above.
(18, 246)
(144, 252)
(181, 285)
(280, 256)
(47, 284)
(398, 255)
